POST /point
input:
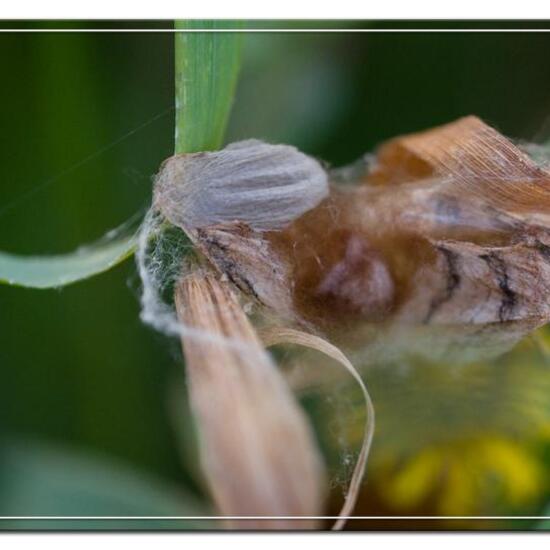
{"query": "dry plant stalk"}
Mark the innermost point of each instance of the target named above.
(257, 449)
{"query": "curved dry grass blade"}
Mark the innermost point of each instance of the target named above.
(275, 336)
(257, 449)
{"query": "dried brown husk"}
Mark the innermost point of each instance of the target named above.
(257, 450)
(443, 250)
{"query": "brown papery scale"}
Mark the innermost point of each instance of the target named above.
(440, 247)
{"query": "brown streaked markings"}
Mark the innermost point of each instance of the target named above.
(498, 267)
(219, 253)
(453, 282)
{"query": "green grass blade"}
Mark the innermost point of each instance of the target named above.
(207, 67)
(60, 270)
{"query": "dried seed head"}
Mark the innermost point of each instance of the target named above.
(449, 229)
(444, 247)
(266, 186)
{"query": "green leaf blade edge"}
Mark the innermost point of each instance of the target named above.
(207, 68)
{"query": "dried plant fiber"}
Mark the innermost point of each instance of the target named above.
(257, 448)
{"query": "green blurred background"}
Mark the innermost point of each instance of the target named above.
(92, 402)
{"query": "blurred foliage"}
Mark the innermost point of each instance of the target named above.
(38, 480)
(207, 66)
(79, 370)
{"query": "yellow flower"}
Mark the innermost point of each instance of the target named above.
(461, 477)
(450, 440)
